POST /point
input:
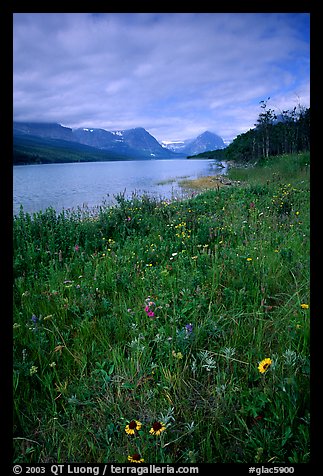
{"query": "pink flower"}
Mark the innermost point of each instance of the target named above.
(150, 305)
(76, 247)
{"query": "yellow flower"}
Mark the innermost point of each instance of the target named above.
(264, 365)
(132, 427)
(177, 355)
(135, 458)
(157, 428)
(305, 306)
(249, 259)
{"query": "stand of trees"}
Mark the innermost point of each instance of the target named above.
(287, 133)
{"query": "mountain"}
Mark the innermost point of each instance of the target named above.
(204, 142)
(140, 139)
(99, 138)
(39, 141)
(135, 142)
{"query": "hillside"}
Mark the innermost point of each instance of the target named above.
(37, 150)
(270, 137)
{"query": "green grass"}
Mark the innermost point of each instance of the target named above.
(226, 274)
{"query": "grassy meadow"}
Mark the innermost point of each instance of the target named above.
(167, 332)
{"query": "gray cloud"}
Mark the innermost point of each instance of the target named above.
(174, 74)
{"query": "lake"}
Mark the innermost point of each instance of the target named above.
(90, 184)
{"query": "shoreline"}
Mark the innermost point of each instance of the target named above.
(209, 182)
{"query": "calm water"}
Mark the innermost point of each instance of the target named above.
(73, 185)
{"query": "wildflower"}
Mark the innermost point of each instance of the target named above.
(76, 248)
(33, 370)
(189, 328)
(135, 458)
(157, 428)
(150, 305)
(53, 364)
(132, 427)
(249, 259)
(264, 365)
(34, 318)
(304, 306)
(177, 355)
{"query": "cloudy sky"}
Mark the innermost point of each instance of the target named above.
(175, 74)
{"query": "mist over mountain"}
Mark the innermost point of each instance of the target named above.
(42, 129)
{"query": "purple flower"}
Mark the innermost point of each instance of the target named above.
(34, 318)
(189, 328)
